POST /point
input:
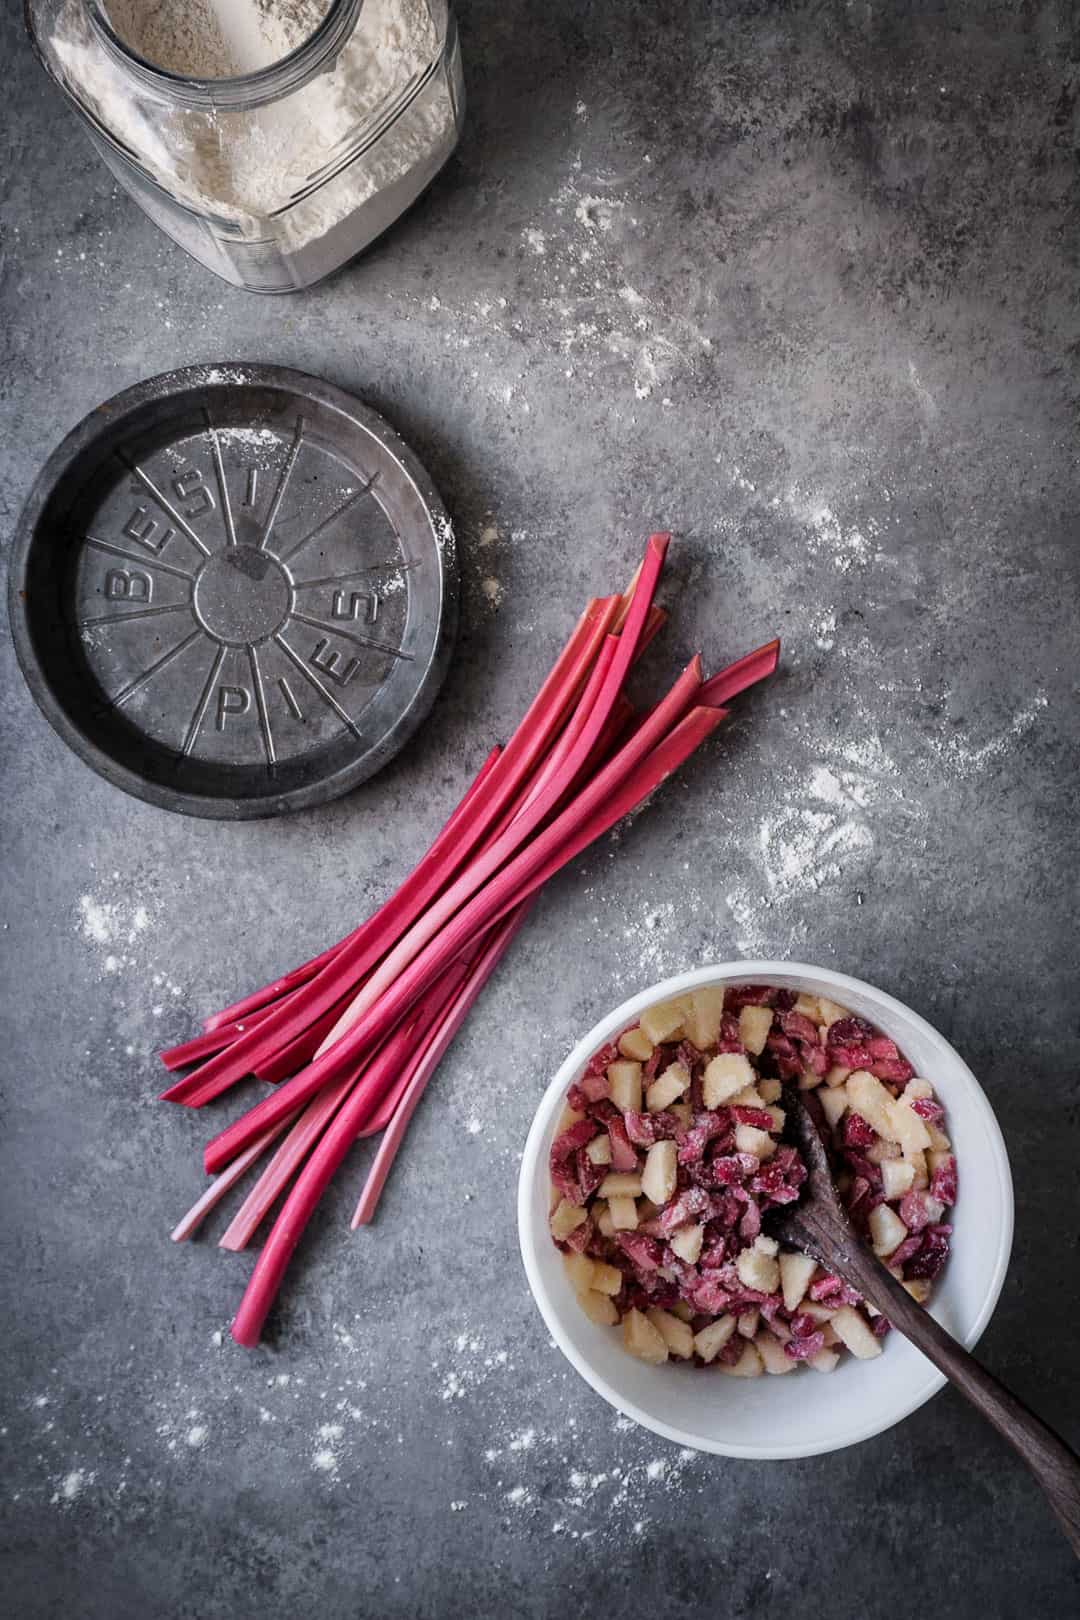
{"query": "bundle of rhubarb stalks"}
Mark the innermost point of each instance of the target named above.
(347, 1042)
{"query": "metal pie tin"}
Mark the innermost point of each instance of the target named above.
(233, 591)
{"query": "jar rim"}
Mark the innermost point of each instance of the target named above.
(243, 90)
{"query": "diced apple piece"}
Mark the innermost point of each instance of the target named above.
(905, 1127)
(667, 1087)
(687, 1243)
(621, 1184)
(683, 1310)
(887, 1230)
(605, 1279)
(796, 1271)
(569, 1116)
(684, 1114)
(850, 1327)
(834, 1104)
(676, 1334)
(879, 1151)
(809, 1006)
(711, 1339)
(837, 1075)
(623, 1212)
(757, 1270)
(702, 1023)
(939, 1142)
(642, 1339)
(917, 1089)
(770, 1091)
(772, 1354)
(921, 1177)
(809, 1081)
(920, 1289)
(817, 1313)
(635, 1044)
(754, 1026)
(830, 1334)
(624, 1085)
(777, 1116)
(566, 1219)
(661, 1172)
(725, 1076)
(868, 1097)
(598, 1151)
(766, 1245)
(749, 1097)
(664, 1022)
(601, 1214)
(748, 1139)
(747, 1323)
(747, 1366)
(831, 1010)
(935, 1159)
(824, 1361)
(579, 1269)
(599, 1308)
(897, 1177)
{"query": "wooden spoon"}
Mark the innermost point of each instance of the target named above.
(818, 1226)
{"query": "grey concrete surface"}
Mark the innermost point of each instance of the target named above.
(798, 282)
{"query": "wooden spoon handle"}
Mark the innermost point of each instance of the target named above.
(1054, 1464)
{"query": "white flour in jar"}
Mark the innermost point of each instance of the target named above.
(255, 168)
(214, 39)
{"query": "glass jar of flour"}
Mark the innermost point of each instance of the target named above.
(273, 139)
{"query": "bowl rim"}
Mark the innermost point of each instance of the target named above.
(744, 972)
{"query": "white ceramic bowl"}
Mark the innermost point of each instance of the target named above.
(808, 1412)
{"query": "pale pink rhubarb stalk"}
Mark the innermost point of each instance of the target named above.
(217, 1189)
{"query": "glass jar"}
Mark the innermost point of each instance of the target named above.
(273, 178)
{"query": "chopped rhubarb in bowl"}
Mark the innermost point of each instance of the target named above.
(656, 1156)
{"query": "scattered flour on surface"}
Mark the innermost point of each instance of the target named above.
(72, 1485)
(968, 759)
(825, 630)
(112, 922)
(326, 1455)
